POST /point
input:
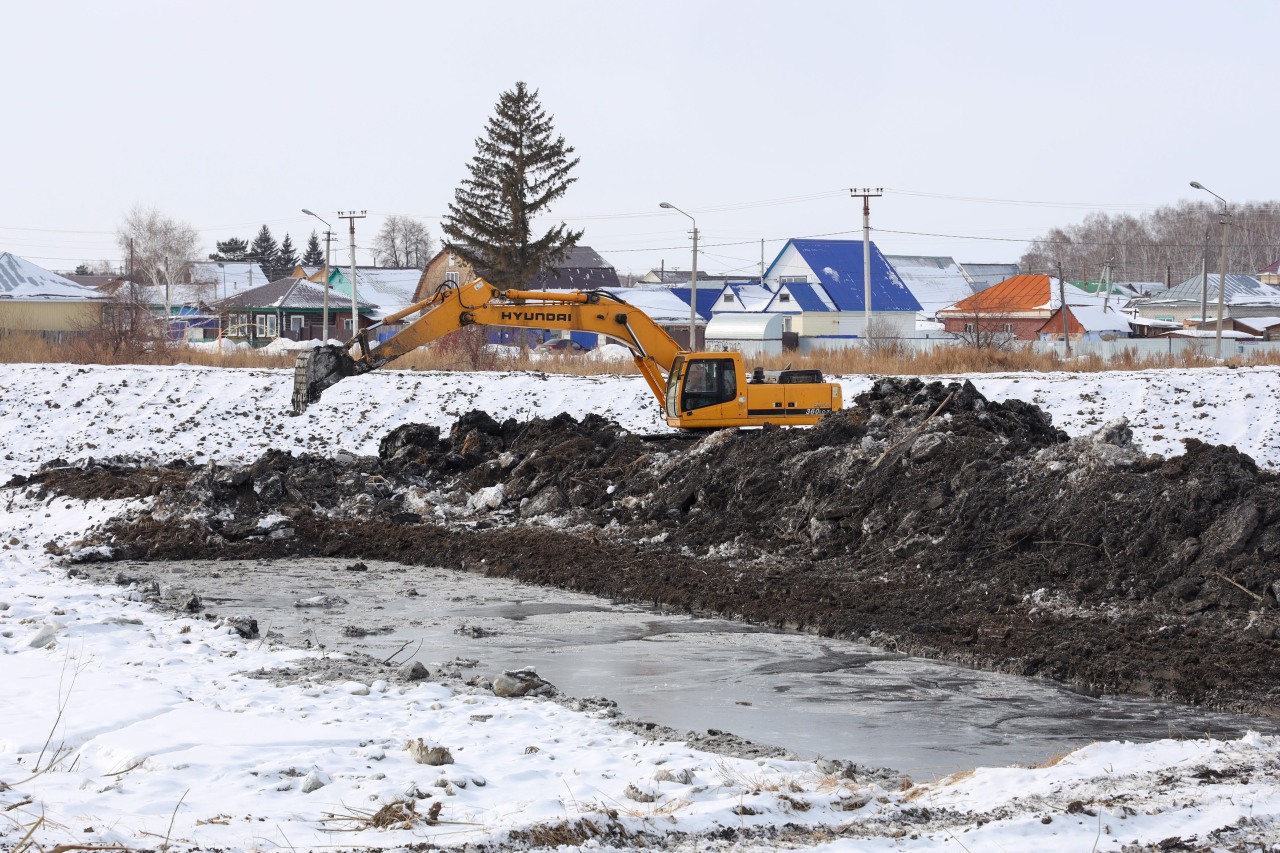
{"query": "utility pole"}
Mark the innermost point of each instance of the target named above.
(1225, 218)
(866, 194)
(1062, 299)
(324, 321)
(1222, 278)
(351, 216)
(328, 239)
(1204, 279)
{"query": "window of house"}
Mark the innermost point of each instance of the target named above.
(453, 277)
(260, 325)
(784, 297)
(295, 322)
(793, 279)
(1008, 327)
(346, 324)
(728, 297)
(969, 328)
(273, 326)
(453, 261)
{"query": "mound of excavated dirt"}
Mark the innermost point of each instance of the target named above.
(924, 517)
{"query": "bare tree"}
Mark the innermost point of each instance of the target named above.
(128, 331)
(159, 248)
(403, 243)
(1168, 241)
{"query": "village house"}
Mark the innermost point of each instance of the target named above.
(817, 288)
(33, 299)
(1196, 300)
(289, 308)
(582, 268)
(1013, 310)
(1086, 323)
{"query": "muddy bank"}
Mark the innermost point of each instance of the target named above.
(924, 518)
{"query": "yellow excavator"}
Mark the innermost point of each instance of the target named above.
(697, 390)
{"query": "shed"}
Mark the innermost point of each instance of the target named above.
(749, 334)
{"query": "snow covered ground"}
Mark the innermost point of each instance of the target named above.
(203, 413)
(123, 726)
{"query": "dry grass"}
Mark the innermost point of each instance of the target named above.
(446, 355)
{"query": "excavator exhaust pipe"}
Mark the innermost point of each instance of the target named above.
(316, 369)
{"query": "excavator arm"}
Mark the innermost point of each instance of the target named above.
(452, 308)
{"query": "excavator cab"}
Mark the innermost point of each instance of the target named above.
(709, 390)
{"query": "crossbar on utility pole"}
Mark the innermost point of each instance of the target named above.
(866, 194)
(351, 217)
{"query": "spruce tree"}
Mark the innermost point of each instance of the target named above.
(519, 169)
(233, 249)
(314, 255)
(265, 251)
(287, 259)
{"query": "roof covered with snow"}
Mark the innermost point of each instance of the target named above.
(227, 277)
(936, 282)
(1088, 318)
(23, 281)
(662, 306)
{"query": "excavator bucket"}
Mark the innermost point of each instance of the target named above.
(315, 370)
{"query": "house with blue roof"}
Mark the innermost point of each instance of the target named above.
(819, 285)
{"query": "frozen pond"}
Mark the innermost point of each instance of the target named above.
(810, 695)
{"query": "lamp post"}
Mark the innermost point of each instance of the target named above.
(328, 236)
(1225, 218)
(693, 280)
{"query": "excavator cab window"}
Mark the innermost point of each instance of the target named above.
(708, 382)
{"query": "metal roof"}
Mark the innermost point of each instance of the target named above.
(1190, 291)
(838, 267)
(745, 326)
(807, 297)
(1026, 292)
(707, 296)
(297, 293)
(983, 276)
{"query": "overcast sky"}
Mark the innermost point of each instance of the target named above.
(985, 122)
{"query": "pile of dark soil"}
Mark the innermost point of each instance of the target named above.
(925, 517)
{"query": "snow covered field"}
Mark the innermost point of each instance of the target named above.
(122, 726)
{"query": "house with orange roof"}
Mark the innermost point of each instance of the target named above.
(1085, 323)
(1016, 309)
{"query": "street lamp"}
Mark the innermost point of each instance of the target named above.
(324, 321)
(1225, 217)
(693, 280)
